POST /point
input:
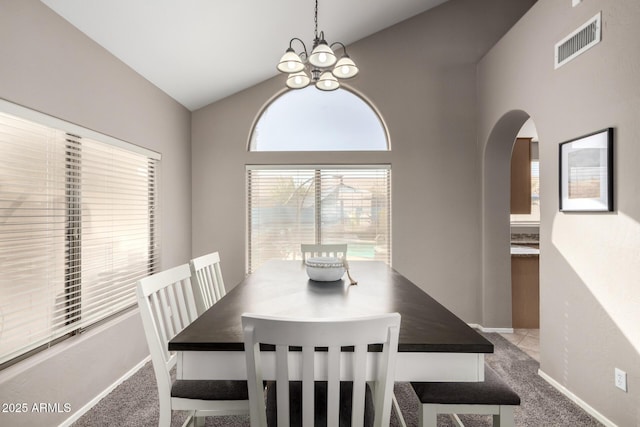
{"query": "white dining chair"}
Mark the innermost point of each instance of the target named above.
(167, 306)
(333, 389)
(337, 250)
(207, 274)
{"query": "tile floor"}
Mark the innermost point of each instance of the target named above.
(528, 340)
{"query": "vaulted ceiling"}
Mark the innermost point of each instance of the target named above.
(200, 51)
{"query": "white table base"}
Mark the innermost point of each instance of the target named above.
(411, 366)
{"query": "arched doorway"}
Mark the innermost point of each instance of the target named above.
(525, 231)
(496, 230)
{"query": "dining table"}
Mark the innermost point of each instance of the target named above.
(434, 344)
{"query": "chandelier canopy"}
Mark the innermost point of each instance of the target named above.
(321, 66)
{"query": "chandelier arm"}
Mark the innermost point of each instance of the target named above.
(319, 38)
(344, 48)
(304, 47)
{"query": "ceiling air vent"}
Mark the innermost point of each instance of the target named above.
(581, 40)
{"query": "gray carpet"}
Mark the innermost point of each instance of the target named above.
(134, 402)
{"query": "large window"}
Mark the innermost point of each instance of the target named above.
(77, 229)
(288, 206)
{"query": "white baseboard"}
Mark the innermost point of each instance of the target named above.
(581, 403)
(497, 330)
(80, 412)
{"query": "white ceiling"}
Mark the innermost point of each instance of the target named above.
(199, 51)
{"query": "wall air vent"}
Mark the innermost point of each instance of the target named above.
(579, 41)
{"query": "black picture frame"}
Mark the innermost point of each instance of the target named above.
(586, 173)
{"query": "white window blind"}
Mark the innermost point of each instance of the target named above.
(288, 206)
(77, 229)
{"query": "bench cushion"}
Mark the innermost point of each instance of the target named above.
(210, 390)
(492, 391)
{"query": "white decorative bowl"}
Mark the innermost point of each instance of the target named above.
(325, 269)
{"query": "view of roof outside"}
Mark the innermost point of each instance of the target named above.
(313, 120)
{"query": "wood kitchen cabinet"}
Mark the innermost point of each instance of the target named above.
(521, 176)
(525, 291)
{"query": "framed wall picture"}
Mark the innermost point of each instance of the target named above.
(586, 173)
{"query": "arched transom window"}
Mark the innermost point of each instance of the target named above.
(313, 120)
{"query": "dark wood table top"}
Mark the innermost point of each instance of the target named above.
(282, 288)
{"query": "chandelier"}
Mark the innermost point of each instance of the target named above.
(322, 66)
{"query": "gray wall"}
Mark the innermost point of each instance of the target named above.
(49, 66)
(421, 75)
(589, 263)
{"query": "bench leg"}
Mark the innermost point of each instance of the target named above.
(428, 416)
(505, 417)
(456, 420)
(396, 407)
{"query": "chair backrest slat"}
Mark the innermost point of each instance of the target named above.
(359, 380)
(308, 385)
(257, 409)
(332, 334)
(333, 386)
(181, 306)
(337, 250)
(388, 356)
(207, 274)
(282, 383)
(157, 317)
(167, 297)
(218, 281)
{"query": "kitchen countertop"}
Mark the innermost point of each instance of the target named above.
(521, 250)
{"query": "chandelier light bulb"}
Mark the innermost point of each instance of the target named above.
(290, 62)
(327, 81)
(298, 80)
(345, 68)
(322, 56)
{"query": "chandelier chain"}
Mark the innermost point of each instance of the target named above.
(315, 20)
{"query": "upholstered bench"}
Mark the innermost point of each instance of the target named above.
(491, 397)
